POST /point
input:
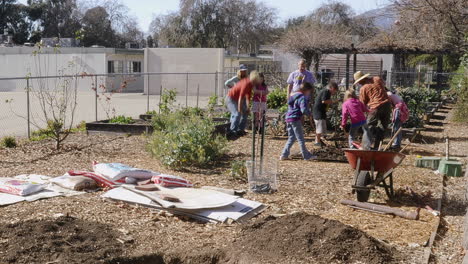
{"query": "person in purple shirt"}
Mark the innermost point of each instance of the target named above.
(297, 107)
(298, 77)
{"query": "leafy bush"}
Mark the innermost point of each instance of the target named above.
(121, 119)
(168, 99)
(8, 142)
(416, 99)
(152, 112)
(180, 140)
(459, 88)
(277, 98)
(238, 171)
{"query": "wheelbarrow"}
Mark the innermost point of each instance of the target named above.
(372, 169)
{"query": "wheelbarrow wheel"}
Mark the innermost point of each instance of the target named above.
(363, 180)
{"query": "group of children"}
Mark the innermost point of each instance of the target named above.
(353, 109)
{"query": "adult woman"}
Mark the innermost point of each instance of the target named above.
(237, 102)
(241, 74)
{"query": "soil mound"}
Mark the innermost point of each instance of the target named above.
(61, 240)
(306, 238)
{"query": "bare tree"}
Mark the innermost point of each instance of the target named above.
(330, 28)
(57, 97)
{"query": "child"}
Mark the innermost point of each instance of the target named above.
(297, 107)
(355, 109)
(319, 110)
(400, 116)
(259, 101)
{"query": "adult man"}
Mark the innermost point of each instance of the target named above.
(323, 99)
(296, 78)
(374, 95)
(241, 74)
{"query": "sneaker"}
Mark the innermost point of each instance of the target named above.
(284, 158)
(313, 157)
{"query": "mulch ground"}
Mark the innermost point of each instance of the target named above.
(307, 191)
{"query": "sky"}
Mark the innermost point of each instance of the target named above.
(144, 10)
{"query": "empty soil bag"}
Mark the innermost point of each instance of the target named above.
(171, 181)
(20, 187)
(117, 171)
(77, 183)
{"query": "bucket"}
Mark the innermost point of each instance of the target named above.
(262, 177)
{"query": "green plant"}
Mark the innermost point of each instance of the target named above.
(121, 119)
(192, 111)
(277, 98)
(416, 99)
(8, 142)
(180, 140)
(459, 88)
(168, 99)
(238, 171)
(212, 103)
(152, 112)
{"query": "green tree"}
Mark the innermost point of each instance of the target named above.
(97, 28)
(58, 18)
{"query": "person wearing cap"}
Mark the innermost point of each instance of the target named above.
(374, 95)
(238, 100)
(241, 74)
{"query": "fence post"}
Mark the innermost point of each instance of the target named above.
(339, 74)
(147, 93)
(347, 71)
(28, 108)
(216, 86)
(160, 98)
(198, 93)
(96, 97)
(186, 90)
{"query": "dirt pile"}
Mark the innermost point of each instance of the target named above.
(309, 239)
(61, 240)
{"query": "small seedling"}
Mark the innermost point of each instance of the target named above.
(9, 142)
(238, 171)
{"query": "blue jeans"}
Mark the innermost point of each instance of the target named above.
(396, 125)
(238, 120)
(353, 132)
(295, 132)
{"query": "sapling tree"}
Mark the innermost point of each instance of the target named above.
(57, 97)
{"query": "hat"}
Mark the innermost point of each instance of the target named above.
(242, 67)
(359, 76)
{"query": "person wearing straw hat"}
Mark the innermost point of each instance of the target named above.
(374, 95)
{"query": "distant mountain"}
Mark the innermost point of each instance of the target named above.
(384, 18)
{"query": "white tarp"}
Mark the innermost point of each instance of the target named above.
(240, 209)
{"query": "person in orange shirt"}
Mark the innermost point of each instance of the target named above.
(374, 95)
(237, 102)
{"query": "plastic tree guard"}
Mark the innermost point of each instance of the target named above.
(451, 168)
(428, 162)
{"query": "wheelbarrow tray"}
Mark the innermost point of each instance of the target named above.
(383, 161)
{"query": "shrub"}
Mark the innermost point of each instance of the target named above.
(8, 142)
(276, 99)
(238, 171)
(416, 99)
(180, 140)
(121, 119)
(168, 99)
(459, 88)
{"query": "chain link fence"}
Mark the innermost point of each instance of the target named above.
(24, 108)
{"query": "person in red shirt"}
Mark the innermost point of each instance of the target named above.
(374, 95)
(237, 102)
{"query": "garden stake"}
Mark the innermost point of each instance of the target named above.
(262, 142)
(447, 146)
(253, 144)
(160, 98)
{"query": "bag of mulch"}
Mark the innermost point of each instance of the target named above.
(117, 171)
(20, 187)
(171, 181)
(77, 183)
